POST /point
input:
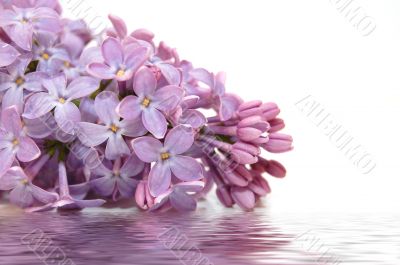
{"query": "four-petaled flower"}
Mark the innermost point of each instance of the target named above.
(151, 103)
(59, 96)
(13, 141)
(21, 23)
(111, 129)
(168, 158)
(16, 81)
(23, 192)
(118, 181)
(118, 63)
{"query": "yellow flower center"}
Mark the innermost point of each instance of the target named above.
(45, 56)
(165, 156)
(24, 181)
(19, 81)
(120, 73)
(15, 142)
(67, 64)
(114, 128)
(146, 102)
(61, 100)
(24, 21)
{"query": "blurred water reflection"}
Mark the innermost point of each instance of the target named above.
(221, 236)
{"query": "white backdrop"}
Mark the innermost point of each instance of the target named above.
(284, 51)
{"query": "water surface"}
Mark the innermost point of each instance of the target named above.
(211, 235)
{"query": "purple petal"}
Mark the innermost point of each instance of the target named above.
(38, 105)
(182, 202)
(136, 58)
(92, 134)
(179, 139)
(147, 148)
(112, 52)
(12, 178)
(228, 107)
(89, 203)
(167, 98)
(11, 120)
(126, 187)
(190, 186)
(129, 108)
(27, 150)
(33, 81)
(145, 82)
(105, 104)
(101, 71)
(119, 26)
(8, 54)
(14, 97)
(194, 118)
(159, 179)
(67, 116)
(21, 34)
(171, 74)
(56, 85)
(42, 127)
(186, 168)
(42, 195)
(21, 196)
(116, 147)
(243, 197)
(203, 76)
(132, 166)
(104, 186)
(132, 128)
(7, 158)
(155, 122)
(82, 87)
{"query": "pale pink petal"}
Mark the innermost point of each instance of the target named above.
(119, 26)
(145, 82)
(105, 104)
(92, 134)
(129, 108)
(101, 71)
(82, 87)
(179, 139)
(136, 58)
(147, 148)
(132, 128)
(27, 150)
(243, 197)
(159, 179)
(67, 116)
(155, 122)
(7, 158)
(171, 74)
(38, 105)
(112, 52)
(8, 54)
(182, 201)
(116, 147)
(11, 120)
(186, 168)
(42, 195)
(14, 97)
(21, 196)
(167, 98)
(12, 178)
(104, 186)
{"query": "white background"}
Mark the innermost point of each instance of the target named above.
(283, 51)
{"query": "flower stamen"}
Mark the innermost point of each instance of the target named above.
(15, 142)
(146, 102)
(114, 128)
(165, 156)
(19, 81)
(24, 182)
(120, 73)
(61, 100)
(45, 56)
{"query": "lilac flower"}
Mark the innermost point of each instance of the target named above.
(59, 96)
(118, 64)
(49, 55)
(118, 181)
(150, 102)
(8, 54)
(143, 197)
(65, 200)
(168, 158)
(13, 142)
(111, 129)
(180, 197)
(21, 23)
(23, 192)
(227, 103)
(16, 81)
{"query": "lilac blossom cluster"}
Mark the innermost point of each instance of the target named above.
(85, 120)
